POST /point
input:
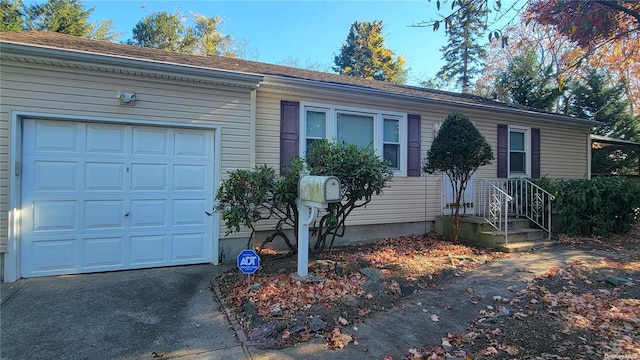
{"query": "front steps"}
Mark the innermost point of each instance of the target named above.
(521, 236)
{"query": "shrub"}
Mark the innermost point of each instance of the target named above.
(249, 196)
(600, 206)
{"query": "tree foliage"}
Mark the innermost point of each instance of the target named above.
(165, 31)
(458, 150)
(63, 16)
(589, 22)
(527, 82)
(364, 55)
(597, 99)
(12, 15)
(247, 197)
(170, 31)
(463, 53)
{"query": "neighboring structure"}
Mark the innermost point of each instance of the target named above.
(110, 154)
(614, 150)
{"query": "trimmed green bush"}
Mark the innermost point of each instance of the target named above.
(600, 206)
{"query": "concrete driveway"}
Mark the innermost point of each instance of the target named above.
(117, 315)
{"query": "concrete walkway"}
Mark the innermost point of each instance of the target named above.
(170, 311)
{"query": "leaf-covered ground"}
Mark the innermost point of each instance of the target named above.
(337, 293)
(585, 310)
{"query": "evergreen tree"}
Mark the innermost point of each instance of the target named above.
(165, 31)
(363, 55)
(527, 82)
(463, 54)
(63, 16)
(12, 15)
(595, 99)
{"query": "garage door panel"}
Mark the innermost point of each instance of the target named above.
(150, 141)
(105, 139)
(55, 215)
(189, 212)
(148, 213)
(189, 177)
(149, 249)
(188, 247)
(191, 143)
(101, 253)
(104, 214)
(101, 176)
(52, 255)
(53, 175)
(53, 136)
(100, 197)
(146, 177)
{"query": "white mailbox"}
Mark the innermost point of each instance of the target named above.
(319, 189)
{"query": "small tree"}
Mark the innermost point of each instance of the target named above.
(458, 150)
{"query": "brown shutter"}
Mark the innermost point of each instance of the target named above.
(413, 145)
(289, 131)
(535, 153)
(503, 152)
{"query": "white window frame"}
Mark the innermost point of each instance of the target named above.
(378, 128)
(527, 150)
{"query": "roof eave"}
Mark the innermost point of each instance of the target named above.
(275, 80)
(221, 76)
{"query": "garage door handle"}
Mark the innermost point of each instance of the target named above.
(127, 213)
(208, 213)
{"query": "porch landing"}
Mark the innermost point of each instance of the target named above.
(521, 235)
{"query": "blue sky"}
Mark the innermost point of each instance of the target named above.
(310, 31)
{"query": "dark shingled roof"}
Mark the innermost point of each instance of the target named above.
(72, 43)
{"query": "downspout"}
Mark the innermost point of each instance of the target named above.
(252, 130)
(589, 150)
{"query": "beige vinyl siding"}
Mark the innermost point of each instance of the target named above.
(563, 151)
(563, 146)
(46, 89)
(402, 201)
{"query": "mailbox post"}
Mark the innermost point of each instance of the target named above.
(314, 193)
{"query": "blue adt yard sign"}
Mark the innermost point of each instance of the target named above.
(248, 261)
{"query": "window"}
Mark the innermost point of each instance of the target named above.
(385, 131)
(519, 152)
(391, 142)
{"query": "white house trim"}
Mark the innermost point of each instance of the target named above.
(378, 129)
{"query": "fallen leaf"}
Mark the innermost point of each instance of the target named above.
(469, 290)
(286, 334)
(445, 342)
(489, 351)
(511, 350)
(343, 321)
(553, 271)
(435, 318)
(415, 353)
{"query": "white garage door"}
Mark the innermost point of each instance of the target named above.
(98, 197)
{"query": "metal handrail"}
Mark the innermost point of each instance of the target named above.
(492, 204)
(530, 201)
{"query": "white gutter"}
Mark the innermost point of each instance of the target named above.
(109, 60)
